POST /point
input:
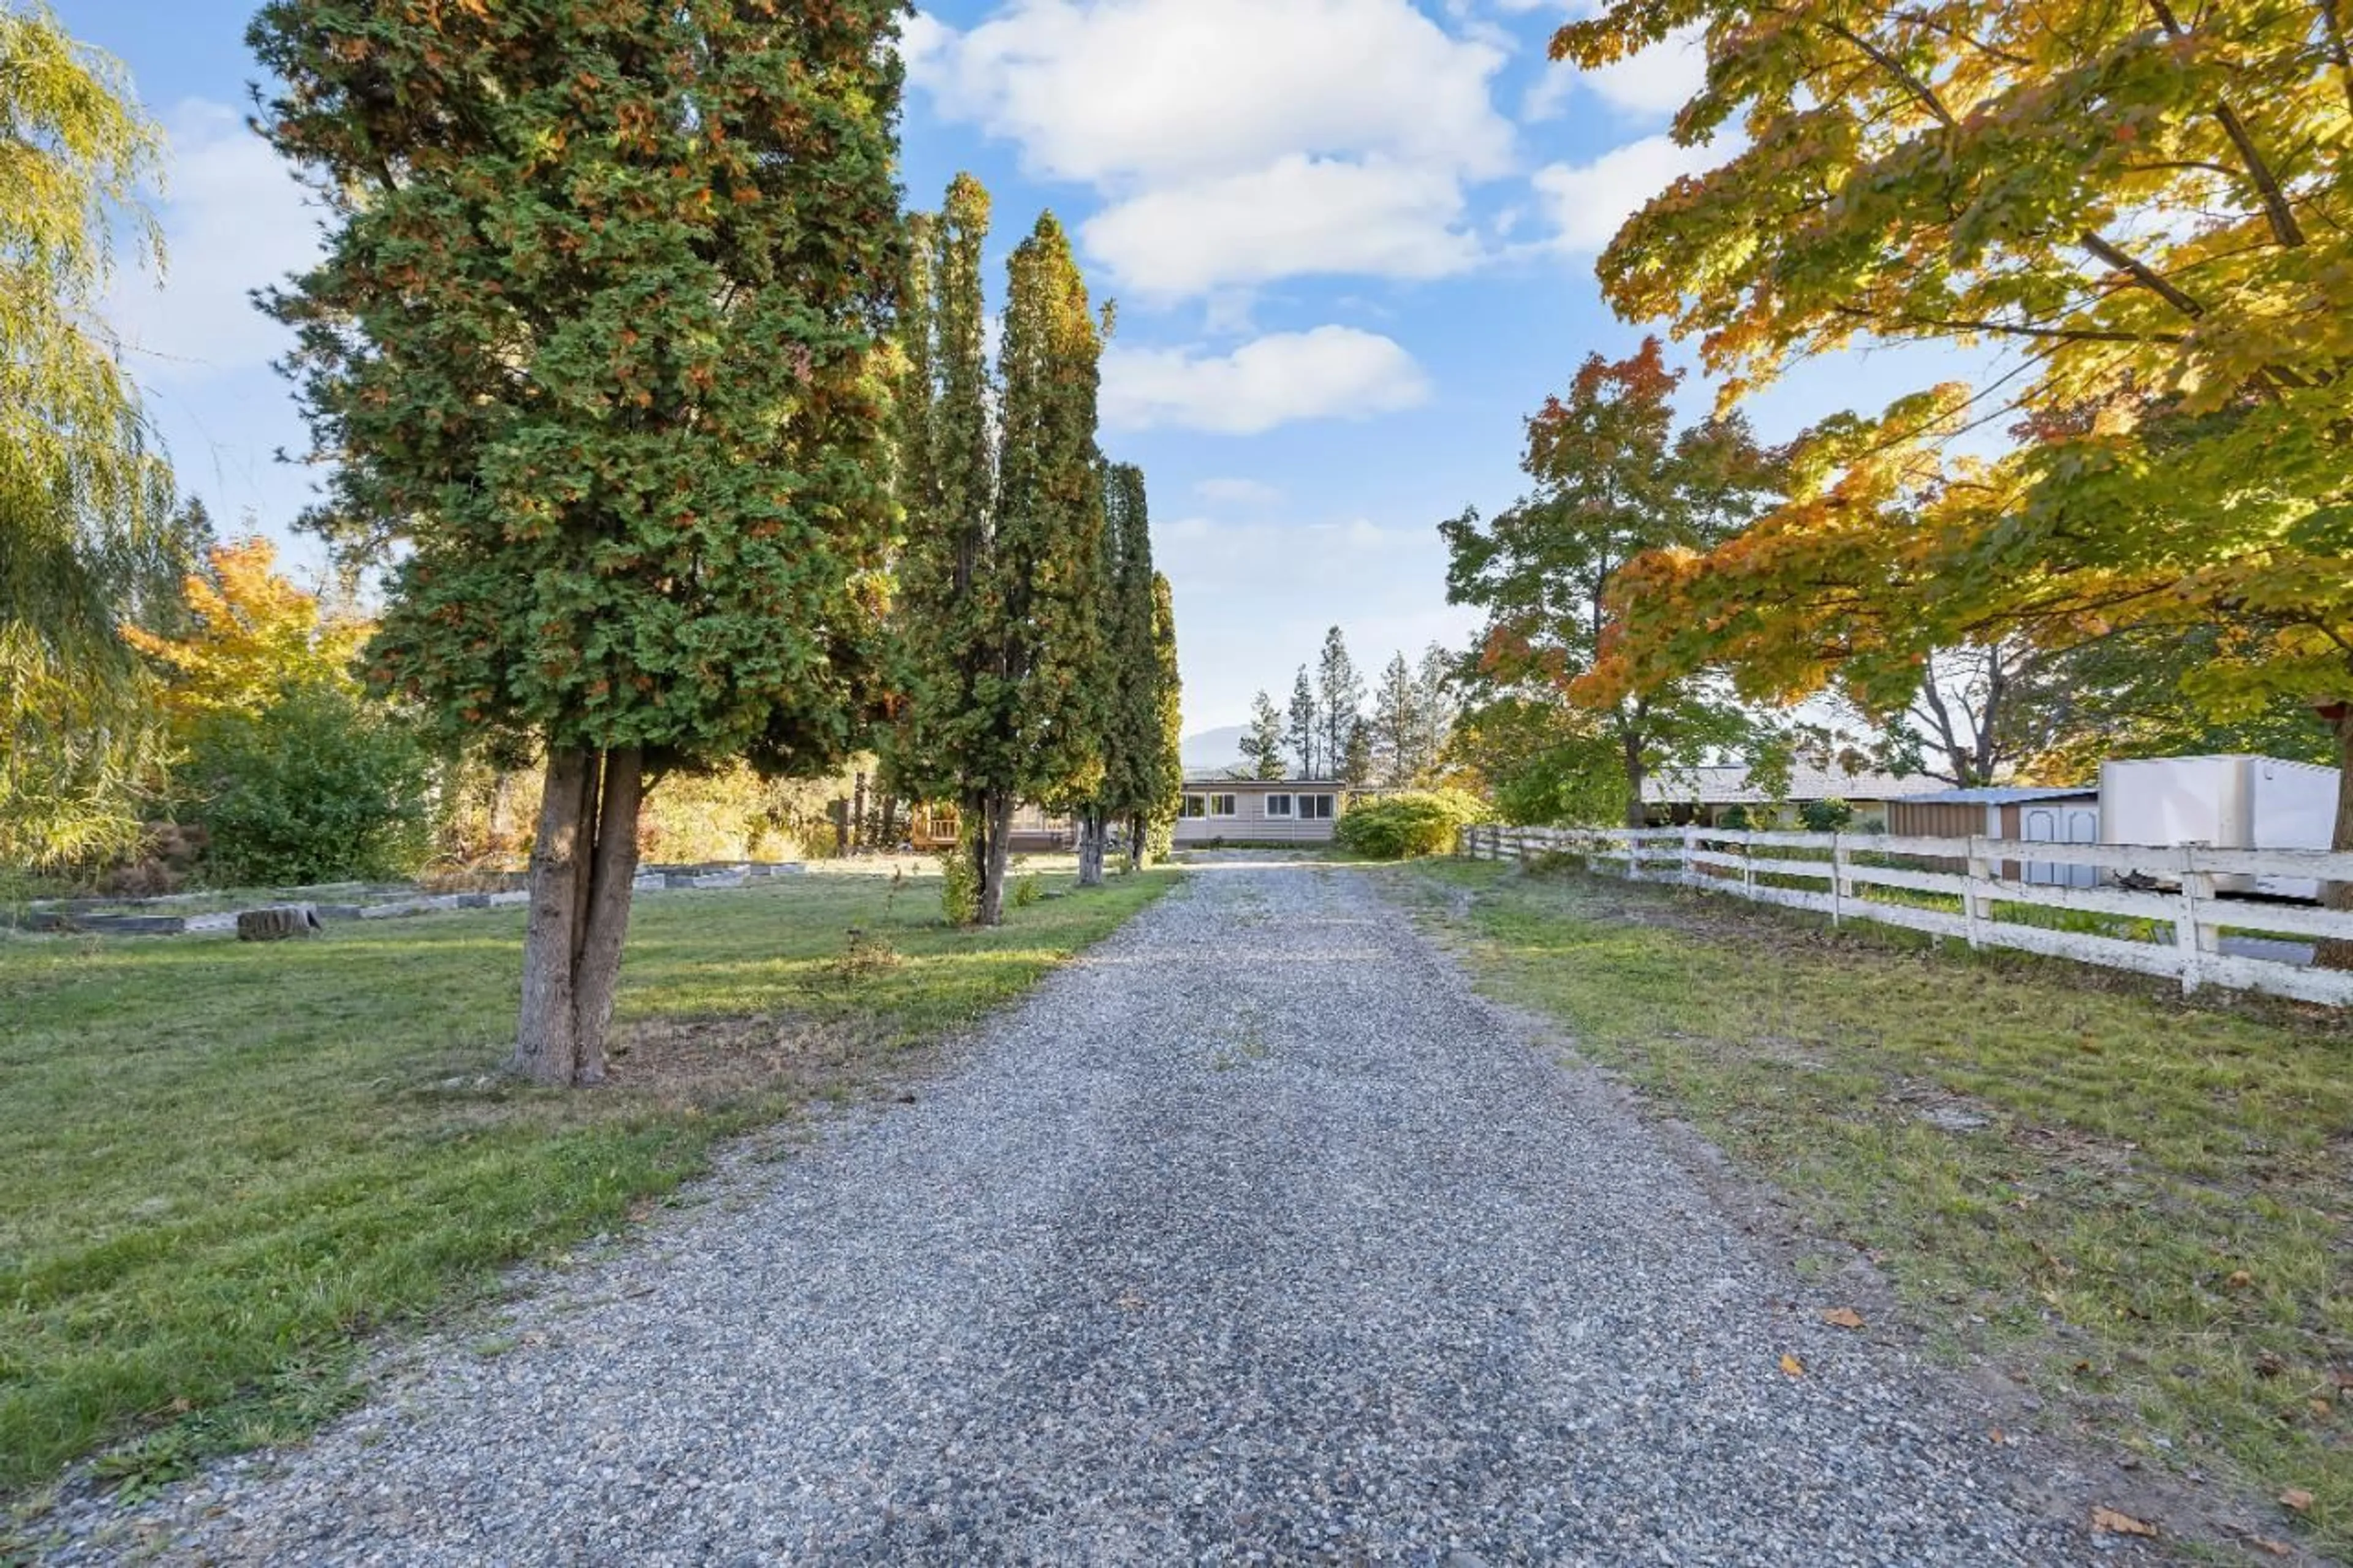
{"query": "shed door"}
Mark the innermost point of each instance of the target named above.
(2083, 827)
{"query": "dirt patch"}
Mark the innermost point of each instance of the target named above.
(712, 1060)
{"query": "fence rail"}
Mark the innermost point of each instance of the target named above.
(2187, 932)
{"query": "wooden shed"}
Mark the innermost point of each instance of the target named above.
(2062, 814)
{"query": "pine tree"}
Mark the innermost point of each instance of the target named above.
(1397, 725)
(1262, 742)
(1356, 756)
(1437, 708)
(1340, 696)
(1306, 725)
(597, 338)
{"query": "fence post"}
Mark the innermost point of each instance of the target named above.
(2192, 935)
(1691, 849)
(1976, 908)
(1838, 879)
(1749, 865)
(1633, 851)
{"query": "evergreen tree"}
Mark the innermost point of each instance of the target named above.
(1306, 726)
(1356, 756)
(1262, 743)
(1340, 696)
(83, 494)
(1436, 707)
(1396, 726)
(596, 341)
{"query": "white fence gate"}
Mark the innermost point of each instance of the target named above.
(1878, 876)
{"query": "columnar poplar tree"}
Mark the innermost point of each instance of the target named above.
(1001, 581)
(1137, 787)
(597, 338)
(1167, 793)
(1048, 548)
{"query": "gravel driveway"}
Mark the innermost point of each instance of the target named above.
(1252, 1237)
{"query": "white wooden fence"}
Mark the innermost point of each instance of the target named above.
(1851, 876)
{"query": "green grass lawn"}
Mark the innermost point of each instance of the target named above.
(221, 1164)
(2151, 1218)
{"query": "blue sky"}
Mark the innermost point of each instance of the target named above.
(1351, 241)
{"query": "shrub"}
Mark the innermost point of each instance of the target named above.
(959, 882)
(1420, 822)
(1735, 820)
(1028, 890)
(319, 786)
(1825, 815)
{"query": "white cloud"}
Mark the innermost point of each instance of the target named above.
(1651, 85)
(1238, 140)
(1103, 90)
(234, 220)
(1238, 492)
(1331, 373)
(1589, 200)
(1298, 216)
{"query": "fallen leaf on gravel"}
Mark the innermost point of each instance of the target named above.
(1996, 1436)
(1792, 1366)
(1843, 1318)
(2296, 1498)
(2116, 1523)
(2241, 1279)
(2276, 1548)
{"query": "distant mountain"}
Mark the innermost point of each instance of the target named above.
(1214, 751)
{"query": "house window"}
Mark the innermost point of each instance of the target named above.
(1278, 805)
(1317, 806)
(1197, 806)
(1222, 806)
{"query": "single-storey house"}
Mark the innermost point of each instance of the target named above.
(1260, 811)
(1704, 794)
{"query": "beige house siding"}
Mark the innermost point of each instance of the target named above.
(1251, 822)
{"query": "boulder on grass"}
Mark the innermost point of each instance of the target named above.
(278, 922)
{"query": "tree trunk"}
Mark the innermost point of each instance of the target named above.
(582, 866)
(1092, 827)
(1135, 831)
(1637, 815)
(996, 840)
(2336, 953)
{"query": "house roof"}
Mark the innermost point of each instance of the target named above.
(1730, 786)
(1203, 780)
(2006, 794)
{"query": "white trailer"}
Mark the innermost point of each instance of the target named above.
(2222, 803)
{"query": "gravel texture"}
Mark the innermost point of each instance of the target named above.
(1252, 1237)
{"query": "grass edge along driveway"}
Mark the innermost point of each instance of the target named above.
(2141, 1206)
(222, 1166)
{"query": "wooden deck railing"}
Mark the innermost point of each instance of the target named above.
(2187, 931)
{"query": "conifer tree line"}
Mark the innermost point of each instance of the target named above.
(1326, 732)
(1034, 644)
